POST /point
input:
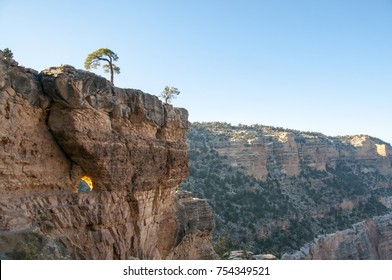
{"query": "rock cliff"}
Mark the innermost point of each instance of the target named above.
(62, 124)
(273, 189)
(367, 240)
(260, 149)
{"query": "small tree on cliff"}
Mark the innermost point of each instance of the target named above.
(94, 60)
(168, 94)
(7, 53)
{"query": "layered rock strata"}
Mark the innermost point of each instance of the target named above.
(274, 189)
(368, 240)
(62, 124)
(262, 149)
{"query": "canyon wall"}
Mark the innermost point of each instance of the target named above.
(62, 124)
(261, 149)
(273, 189)
(367, 240)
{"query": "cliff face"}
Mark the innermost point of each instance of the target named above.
(261, 149)
(368, 240)
(274, 189)
(62, 124)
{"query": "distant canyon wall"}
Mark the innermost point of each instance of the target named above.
(259, 154)
(367, 240)
(275, 189)
(62, 124)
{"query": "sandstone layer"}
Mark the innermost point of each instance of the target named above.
(368, 240)
(62, 124)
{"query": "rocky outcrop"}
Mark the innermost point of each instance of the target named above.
(62, 124)
(248, 255)
(368, 240)
(194, 219)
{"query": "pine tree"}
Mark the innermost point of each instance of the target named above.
(169, 93)
(7, 53)
(95, 58)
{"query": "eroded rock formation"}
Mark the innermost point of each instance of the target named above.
(368, 240)
(62, 124)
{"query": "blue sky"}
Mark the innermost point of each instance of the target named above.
(322, 65)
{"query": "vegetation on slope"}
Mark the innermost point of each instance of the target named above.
(281, 213)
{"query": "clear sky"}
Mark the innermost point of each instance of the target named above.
(313, 65)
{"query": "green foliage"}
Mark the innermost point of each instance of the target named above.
(240, 202)
(222, 246)
(279, 241)
(95, 58)
(31, 246)
(7, 53)
(27, 248)
(281, 213)
(168, 94)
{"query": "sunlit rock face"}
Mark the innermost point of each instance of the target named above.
(261, 150)
(62, 124)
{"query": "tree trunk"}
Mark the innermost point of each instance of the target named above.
(111, 73)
